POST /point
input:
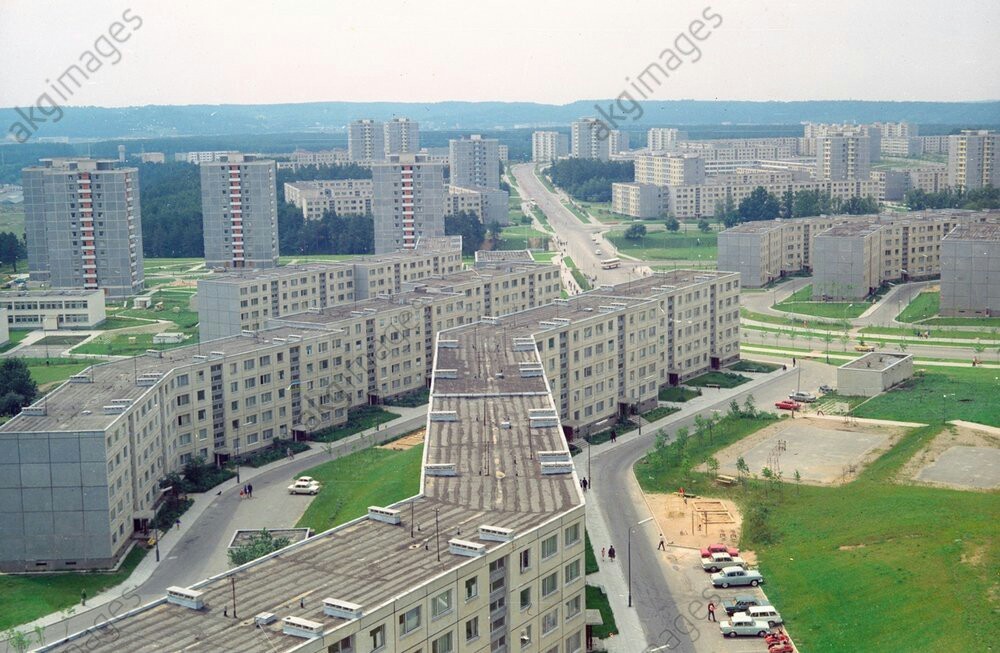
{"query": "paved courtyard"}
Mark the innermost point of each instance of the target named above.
(820, 451)
(959, 466)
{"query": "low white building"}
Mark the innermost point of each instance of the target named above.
(53, 309)
(873, 373)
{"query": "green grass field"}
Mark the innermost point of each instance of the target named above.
(801, 302)
(387, 476)
(358, 419)
(51, 371)
(580, 215)
(125, 345)
(939, 394)
(26, 598)
(678, 394)
(847, 564)
(667, 246)
(12, 220)
(598, 600)
(925, 308)
(523, 237)
(578, 275)
(16, 336)
(721, 379)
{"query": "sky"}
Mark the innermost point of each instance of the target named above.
(259, 51)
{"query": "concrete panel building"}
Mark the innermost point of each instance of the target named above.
(408, 201)
(637, 200)
(618, 141)
(488, 204)
(974, 159)
(873, 373)
(365, 141)
(83, 226)
(474, 162)
(722, 157)
(53, 309)
(663, 139)
(970, 270)
(847, 261)
(311, 158)
(402, 136)
(239, 208)
(843, 156)
(589, 139)
(547, 146)
(669, 169)
(701, 200)
(341, 196)
(504, 152)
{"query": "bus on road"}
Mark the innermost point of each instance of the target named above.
(610, 263)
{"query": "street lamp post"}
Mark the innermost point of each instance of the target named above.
(629, 552)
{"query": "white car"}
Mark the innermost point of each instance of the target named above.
(741, 624)
(805, 397)
(721, 560)
(304, 485)
(737, 576)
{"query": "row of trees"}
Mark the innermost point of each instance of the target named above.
(17, 388)
(763, 205)
(468, 226)
(332, 234)
(589, 179)
(976, 199)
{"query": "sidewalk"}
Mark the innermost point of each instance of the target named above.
(410, 419)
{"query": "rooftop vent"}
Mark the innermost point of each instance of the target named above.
(495, 533)
(542, 417)
(448, 344)
(341, 609)
(80, 378)
(446, 374)
(531, 369)
(33, 411)
(155, 353)
(265, 618)
(522, 343)
(299, 627)
(386, 515)
(440, 469)
(557, 468)
(444, 416)
(185, 597)
(465, 548)
(554, 456)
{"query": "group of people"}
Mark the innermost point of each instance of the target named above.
(585, 483)
(608, 552)
(246, 492)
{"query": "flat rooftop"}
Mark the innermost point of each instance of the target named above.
(980, 231)
(501, 255)
(34, 293)
(847, 229)
(876, 360)
(282, 272)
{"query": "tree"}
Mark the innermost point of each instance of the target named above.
(726, 212)
(260, 545)
(635, 231)
(11, 249)
(827, 338)
(749, 407)
(759, 205)
(788, 204)
(700, 426)
(673, 225)
(713, 465)
(798, 481)
(468, 226)
(742, 469)
(589, 179)
(17, 388)
(734, 409)
(703, 226)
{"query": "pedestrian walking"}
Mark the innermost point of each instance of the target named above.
(250, 489)
(177, 524)
(614, 436)
(586, 484)
(611, 553)
(711, 611)
(663, 545)
(243, 492)
(604, 551)
(793, 362)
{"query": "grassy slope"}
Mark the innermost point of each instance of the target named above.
(940, 394)
(667, 246)
(801, 302)
(389, 476)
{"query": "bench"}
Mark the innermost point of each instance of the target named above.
(715, 386)
(725, 479)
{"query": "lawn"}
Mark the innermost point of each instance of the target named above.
(841, 561)
(678, 393)
(126, 344)
(523, 237)
(598, 600)
(753, 366)
(659, 413)
(120, 323)
(47, 371)
(801, 302)
(176, 309)
(667, 246)
(12, 220)
(358, 419)
(545, 257)
(580, 215)
(925, 307)
(388, 476)
(580, 278)
(940, 394)
(721, 379)
(28, 597)
(16, 336)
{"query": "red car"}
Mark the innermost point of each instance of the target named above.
(787, 404)
(719, 548)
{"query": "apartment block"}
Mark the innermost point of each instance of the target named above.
(474, 162)
(723, 157)
(53, 309)
(970, 270)
(662, 139)
(843, 156)
(934, 144)
(895, 183)
(402, 136)
(504, 152)
(589, 139)
(506, 573)
(974, 159)
(547, 146)
(618, 141)
(408, 201)
(669, 169)
(311, 158)
(201, 157)
(83, 226)
(230, 303)
(701, 200)
(637, 200)
(365, 141)
(341, 196)
(488, 204)
(152, 157)
(809, 145)
(239, 212)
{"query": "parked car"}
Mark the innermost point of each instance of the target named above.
(765, 613)
(741, 624)
(719, 560)
(799, 395)
(598, 251)
(861, 346)
(737, 576)
(825, 388)
(304, 485)
(741, 602)
(787, 404)
(719, 548)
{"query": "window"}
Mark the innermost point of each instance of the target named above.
(526, 598)
(471, 588)
(573, 643)
(549, 547)
(441, 604)
(573, 607)
(378, 637)
(572, 535)
(472, 629)
(525, 560)
(550, 621)
(526, 636)
(409, 621)
(550, 583)
(572, 571)
(442, 644)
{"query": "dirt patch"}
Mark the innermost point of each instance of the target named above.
(851, 547)
(960, 435)
(973, 557)
(406, 442)
(698, 522)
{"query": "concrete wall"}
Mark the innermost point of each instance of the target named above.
(868, 382)
(970, 277)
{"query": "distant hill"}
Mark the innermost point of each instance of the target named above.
(205, 120)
